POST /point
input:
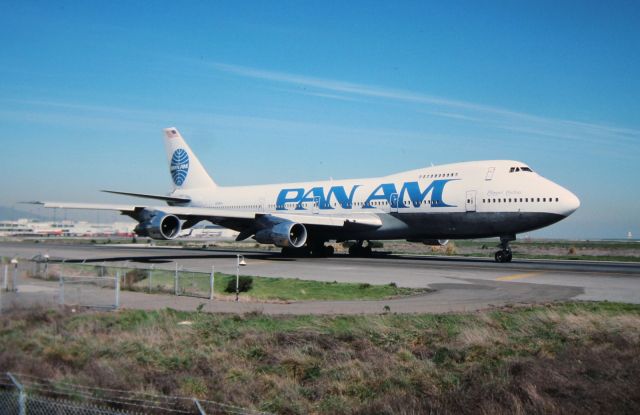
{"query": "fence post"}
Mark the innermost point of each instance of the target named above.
(175, 282)
(61, 289)
(150, 275)
(14, 281)
(22, 397)
(117, 289)
(200, 409)
(211, 280)
(5, 284)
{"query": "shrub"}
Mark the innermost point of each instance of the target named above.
(450, 248)
(134, 276)
(364, 286)
(245, 283)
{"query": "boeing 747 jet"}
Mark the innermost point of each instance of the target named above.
(477, 199)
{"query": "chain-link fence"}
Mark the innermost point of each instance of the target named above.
(18, 292)
(194, 284)
(47, 282)
(92, 292)
(29, 395)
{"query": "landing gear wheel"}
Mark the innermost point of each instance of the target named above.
(503, 256)
(359, 250)
(320, 250)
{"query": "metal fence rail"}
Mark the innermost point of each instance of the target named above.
(30, 395)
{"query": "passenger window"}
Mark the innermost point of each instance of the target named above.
(557, 199)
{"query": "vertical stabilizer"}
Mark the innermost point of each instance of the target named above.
(185, 168)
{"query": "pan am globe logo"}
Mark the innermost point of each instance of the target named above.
(179, 166)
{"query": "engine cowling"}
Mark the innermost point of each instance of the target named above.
(159, 225)
(283, 235)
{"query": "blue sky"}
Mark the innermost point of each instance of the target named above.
(287, 91)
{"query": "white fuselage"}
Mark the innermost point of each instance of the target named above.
(471, 199)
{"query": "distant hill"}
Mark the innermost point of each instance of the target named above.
(9, 213)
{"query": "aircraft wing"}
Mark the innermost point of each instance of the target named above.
(243, 219)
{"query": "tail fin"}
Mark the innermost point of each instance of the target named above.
(185, 168)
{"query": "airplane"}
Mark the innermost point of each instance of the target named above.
(476, 199)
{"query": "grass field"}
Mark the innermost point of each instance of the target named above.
(264, 289)
(626, 251)
(564, 358)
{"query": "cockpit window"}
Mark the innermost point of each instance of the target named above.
(517, 169)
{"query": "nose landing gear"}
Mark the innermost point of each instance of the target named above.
(504, 254)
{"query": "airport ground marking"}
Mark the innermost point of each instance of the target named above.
(518, 276)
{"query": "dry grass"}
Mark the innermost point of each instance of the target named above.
(573, 358)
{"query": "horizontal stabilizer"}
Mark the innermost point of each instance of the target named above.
(172, 199)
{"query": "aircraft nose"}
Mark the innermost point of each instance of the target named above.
(569, 203)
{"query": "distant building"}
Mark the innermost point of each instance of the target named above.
(28, 227)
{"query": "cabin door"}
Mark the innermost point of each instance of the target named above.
(470, 203)
(393, 203)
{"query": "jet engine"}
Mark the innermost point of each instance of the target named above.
(283, 235)
(158, 225)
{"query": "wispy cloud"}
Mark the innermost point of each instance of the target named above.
(462, 110)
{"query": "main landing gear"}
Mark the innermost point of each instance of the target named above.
(504, 254)
(315, 249)
(320, 250)
(358, 249)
